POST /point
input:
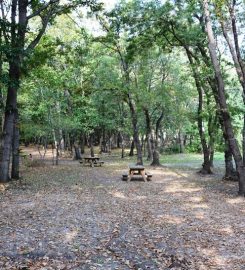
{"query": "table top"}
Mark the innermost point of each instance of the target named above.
(136, 167)
(91, 157)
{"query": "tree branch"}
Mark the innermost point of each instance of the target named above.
(44, 7)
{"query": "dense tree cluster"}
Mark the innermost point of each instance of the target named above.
(160, 77)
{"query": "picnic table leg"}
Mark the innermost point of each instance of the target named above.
(92, 163)
(130, 174)
(143, 175)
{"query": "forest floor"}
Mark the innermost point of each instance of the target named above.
(75, 217)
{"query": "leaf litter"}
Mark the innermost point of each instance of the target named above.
(75, 217)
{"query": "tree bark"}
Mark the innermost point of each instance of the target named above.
(222, 102)
(91, 144)
(230, 172)
(131, 152)
(156, 159)
(135, 131)
(237, 59)
(77, 153)
(15, 173)
(82, 144)
(62, 142)
(148, 134)
(206, 166)
(122, 145)
(10, 111)
(158, 124)
(181, 143)
(56, 148)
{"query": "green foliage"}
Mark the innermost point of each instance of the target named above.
(79, 83)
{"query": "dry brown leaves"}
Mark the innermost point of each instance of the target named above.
(74, 217)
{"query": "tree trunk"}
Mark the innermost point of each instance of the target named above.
(91, 144)
(135, 131)
(148, 134)
(82, 144)
(222, 102)
(181, 143)
(56, 149)
(8, 128)
(158, 123)
(156, 159)
(206, 166)
(230, 172)
(119, 137)
(238, 61)
(15, 149)
(68, 142)
(122, 145)
(77, 154)
(62, 142)
(131, 152)
(1, 90)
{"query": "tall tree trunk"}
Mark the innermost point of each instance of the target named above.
(230, 172)
(118, 139)
(8, 128)
(56, 149)
(77, 153)
(156, 159)
(135, 131)
(68, 142)
(122, 145)
(1, 90)
(206, 166)
(82, 143)
(237, 59)
(62, 142)
(181, 142)
(15, 148)
(131, 152)
(222, 102)
(148, 134)
(91, 144)
(158, 124)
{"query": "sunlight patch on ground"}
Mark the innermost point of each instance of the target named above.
(170, 219)
(178, 187)
(200, 215)
(118, 194)
(227, 230)
(69, 236)
(196, 199)
(237, 200)
(200, 205)
(76, 187)
(215, 259)
(140, 197)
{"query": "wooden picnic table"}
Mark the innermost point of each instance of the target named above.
(136, 170)
(91, 160)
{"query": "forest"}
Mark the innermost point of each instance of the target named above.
(155, 83)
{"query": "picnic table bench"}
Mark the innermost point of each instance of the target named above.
(92, 161)
(137, 170)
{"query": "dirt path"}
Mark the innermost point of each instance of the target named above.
(74, 217)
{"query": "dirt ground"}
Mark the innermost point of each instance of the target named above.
(75, 217)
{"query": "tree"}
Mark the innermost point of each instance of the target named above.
(233, 144)
(19, 46)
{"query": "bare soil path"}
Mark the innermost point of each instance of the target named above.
(75, 217)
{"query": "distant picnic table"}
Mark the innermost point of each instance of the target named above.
(137, 170)
(92, 161)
